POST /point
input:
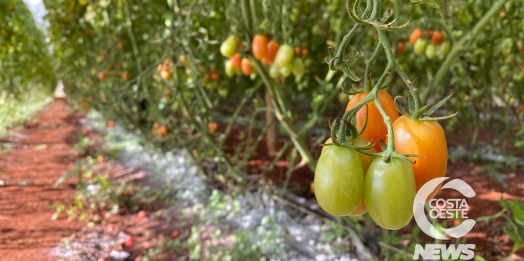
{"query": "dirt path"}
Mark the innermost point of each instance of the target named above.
(39, 155)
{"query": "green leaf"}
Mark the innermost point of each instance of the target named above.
(436, 106)
(512, 234)
(518, 213)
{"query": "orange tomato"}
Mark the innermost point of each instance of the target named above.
(272, 48)
(246, 67)
(305, 53)
(437, 38)
(259, 46)
(212, 126)
(166, 65)
(215, 77)
(166, 75)
(400, 47)
(162, 131)
(415, 35)
(236, 61)
(298, 51)
(125, 76)
(424, 138)
(101, 76)
(376, 129)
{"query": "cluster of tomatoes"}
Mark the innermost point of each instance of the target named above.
(283, 60)
(351, 183)
(160, 130)
(428, 43)
(165, 70)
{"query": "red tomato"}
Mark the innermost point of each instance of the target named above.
(142, 214)
(437, 38)
(272, 48)
(400, 47)
(259, 46)
(415, 35)
(424, 138)
(376, 129)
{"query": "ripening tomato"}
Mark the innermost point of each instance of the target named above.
(430, 51)
(298, 67)
(166, 75)
(212, 126)
(366, 162)
(437, 38)
(376, 129)
(259, 46)
(101, 76)
(400, 47)
(230, 69)
(420, 46)
(443, 49)
(229, 46)
(120, 46)
(298, 51)
(272, 49)
(236, 61)
(305, 53)
(247, 69)
(415, 35)
(389, 192)
(338, 181)
(284, 56)
(424, 138)
(125, 76)
(215, 77)
(273, 72)
(285, 71)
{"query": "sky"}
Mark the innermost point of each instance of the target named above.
(37, 8)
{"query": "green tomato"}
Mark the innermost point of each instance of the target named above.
(230, 69)
(298, 67)
(430, 51)
(284, 56)
(338, 182)
(229, 46)
(223, 92)
(443, 49)
(389, 192)
(285, 71)
(420, 46)
(273, 72)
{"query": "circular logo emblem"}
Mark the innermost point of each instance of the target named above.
(450, 208)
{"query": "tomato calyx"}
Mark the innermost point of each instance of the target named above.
(421, 114)
(344, 133)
